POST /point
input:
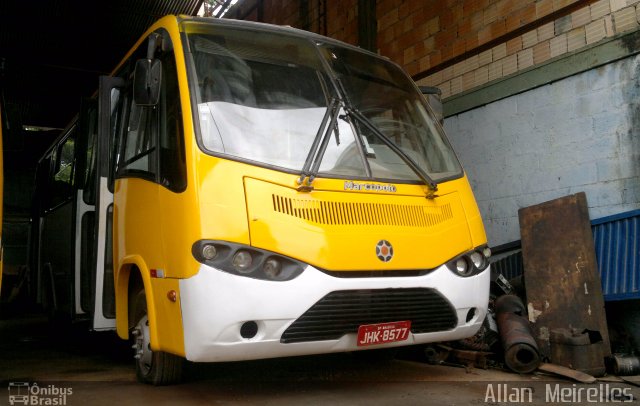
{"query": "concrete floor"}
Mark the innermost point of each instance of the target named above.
(96, 369)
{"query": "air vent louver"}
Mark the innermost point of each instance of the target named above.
(350, 213)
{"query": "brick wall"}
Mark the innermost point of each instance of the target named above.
(458, 45)
(585, 25)
(342, 20)
(273, 11)
(424, 34)
(339, 19)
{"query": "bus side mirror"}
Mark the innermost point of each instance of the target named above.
(147, 79)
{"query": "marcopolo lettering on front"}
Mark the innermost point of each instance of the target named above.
(369, 187)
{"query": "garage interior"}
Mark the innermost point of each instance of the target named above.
(540, 99)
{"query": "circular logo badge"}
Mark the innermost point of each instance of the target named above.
(384, 250)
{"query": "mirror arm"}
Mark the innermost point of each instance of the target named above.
(155, 40)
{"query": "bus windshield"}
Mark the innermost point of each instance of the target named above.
(263, 96)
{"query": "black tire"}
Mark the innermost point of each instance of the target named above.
(152, 367)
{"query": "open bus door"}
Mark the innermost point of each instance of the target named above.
(108, 115)
(1, 198)
(78, 283)
(89, 235)
(85, 202)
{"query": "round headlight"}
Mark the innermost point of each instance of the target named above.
(209, 252)
(477, 259)
(462, 267)
(272, 268)
(242, 261)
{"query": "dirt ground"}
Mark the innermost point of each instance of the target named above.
(52, 366)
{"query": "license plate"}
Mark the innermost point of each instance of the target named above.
(372, 334)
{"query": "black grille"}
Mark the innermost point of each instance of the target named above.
(342, 312)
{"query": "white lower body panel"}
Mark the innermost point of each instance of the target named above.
(215, 304)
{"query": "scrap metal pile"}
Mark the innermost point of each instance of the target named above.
(550, 318)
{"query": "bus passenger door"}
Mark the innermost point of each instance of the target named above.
(110, 98)
(84, 253)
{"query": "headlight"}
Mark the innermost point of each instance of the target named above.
(477, 259)
(243, 260)
(272, 268)
(209, 252)
(462, 266)
(470, 263)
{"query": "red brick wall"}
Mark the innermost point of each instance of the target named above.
(280, 12)
(422, 34)
(342, 20)
(340, 17)
(418, 34)
(461, 44)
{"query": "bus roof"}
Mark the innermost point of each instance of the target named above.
(285, 29)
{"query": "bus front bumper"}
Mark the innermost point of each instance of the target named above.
(215, 305)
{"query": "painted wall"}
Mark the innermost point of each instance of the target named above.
(578, 134)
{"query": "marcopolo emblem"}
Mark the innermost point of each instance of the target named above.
(384, 250)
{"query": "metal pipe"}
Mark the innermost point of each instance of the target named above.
(520, 349)
(625, 365)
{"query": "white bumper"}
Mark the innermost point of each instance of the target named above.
(215, 304)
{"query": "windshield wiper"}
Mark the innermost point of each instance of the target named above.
(321, 140)
(431, 184)
(352, 111)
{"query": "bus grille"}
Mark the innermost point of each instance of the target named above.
(351, 213)
(342, 312)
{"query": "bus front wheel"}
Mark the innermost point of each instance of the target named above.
(152, 367)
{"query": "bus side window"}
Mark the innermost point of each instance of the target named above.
(119, 124)
(88, 178)
(138, 156)
(140, 141)
(42, 197)
(172, 155)
(157, 128)
(61, 187)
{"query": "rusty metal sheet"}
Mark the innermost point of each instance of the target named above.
(560, 270)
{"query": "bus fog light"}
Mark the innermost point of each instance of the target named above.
(209, 252)
(242, 261)
(272, 268)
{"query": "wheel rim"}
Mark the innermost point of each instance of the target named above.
(142, 346)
